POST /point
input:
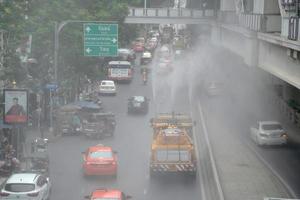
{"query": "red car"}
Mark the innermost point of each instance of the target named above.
(110, 194)
(100, 160)
(138, 47)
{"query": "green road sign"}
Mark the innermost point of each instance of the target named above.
(100, 39)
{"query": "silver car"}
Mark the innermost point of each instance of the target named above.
(29, 186)
(269, 133)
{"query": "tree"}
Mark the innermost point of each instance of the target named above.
(37, 18)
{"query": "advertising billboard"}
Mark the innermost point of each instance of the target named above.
(15, 106)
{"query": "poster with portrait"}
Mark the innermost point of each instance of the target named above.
(15, 106)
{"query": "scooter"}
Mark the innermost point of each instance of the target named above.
(144, 78)
(8, 166)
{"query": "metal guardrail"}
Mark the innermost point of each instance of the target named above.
(252, 21)
(170, 13)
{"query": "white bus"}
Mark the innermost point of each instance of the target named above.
(119, 71)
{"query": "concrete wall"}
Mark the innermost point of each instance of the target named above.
(273, 58)
(227, 5)
(266, 7)
(258, 53)
(241, 43)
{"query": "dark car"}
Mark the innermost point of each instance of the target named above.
(98, 125)
(138, 104)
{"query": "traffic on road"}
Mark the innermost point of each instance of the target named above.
(165, 116)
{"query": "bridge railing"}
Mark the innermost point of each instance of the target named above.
(170, 13)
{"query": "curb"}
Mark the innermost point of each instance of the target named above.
(211, 156)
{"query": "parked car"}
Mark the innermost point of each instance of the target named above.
(138, 47)
(111, 194)
(100, 160)
(269, 133)
(29, 186)
(98, 125)
(107, 87)
(214, 88)
(138, 104)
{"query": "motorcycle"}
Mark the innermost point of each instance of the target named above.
(9, 165)
(40, 165)
(39, 156)
(145, 77)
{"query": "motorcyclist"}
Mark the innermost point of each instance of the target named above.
(76, 122)
(144, 74)
(10, 163)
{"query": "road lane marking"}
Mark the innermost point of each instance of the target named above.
(198, 161)
(214, 168)
(290, 190)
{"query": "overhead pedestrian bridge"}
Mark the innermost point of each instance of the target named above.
(169, 16)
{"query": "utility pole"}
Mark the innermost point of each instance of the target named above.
(57, 29)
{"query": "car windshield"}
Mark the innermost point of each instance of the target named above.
(19, 187)
(100, 154)
(139, 98)
(106, 83)
(270, 127)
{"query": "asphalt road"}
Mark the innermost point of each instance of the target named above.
(133, 136)
(132, 141)
(239, 107)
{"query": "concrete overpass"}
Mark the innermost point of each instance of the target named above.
(169, 16)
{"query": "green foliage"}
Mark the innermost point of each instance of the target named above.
(42, 15)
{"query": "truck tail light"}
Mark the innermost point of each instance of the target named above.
(35, 194)
(4, 194)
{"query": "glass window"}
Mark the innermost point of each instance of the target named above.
(19, 187)
(270, 127)
(139, 98)
(120, 66)
(100, 154)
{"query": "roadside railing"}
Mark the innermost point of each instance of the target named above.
(170, 12)
(260, 22)
(251, 21)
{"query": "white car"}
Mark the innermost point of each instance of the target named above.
(107, 87)
(214, 88)
(269, 133)
(29, 186)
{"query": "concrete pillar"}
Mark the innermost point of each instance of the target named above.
(251, 53)
(266, 7)
(287, 91)
(227, 5)
(216, 34)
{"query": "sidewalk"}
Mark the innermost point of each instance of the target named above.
(30, 135)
